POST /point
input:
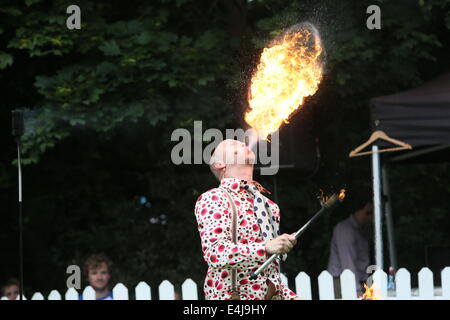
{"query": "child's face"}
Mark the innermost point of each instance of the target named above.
(99, 277)
(11, 292)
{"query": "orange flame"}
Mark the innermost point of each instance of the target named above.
(289, 70)
(371, 293)
(323, 196)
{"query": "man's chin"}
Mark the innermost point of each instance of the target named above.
(99, 288)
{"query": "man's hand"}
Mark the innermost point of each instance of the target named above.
(280, 245)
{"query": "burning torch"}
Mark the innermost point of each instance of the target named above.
(327, 205)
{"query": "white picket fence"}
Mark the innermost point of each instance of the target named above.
(189, 289)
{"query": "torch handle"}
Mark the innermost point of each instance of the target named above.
(327, 205)
(254, 275)
(302, 229)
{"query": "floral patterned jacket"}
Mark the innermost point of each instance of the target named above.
(214, 217)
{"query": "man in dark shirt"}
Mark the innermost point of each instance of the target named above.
(349, 248)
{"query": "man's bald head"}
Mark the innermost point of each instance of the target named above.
(218, 159)
(229, 153)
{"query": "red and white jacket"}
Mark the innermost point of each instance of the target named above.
(214, 217)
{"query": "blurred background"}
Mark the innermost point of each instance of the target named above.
(104, 100)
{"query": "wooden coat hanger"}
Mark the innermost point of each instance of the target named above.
(379, 135)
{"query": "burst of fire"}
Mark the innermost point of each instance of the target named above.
(371, 293)
(289, 70)
(341, 194)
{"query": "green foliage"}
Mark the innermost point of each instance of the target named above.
(105, 99)
(5, 60)
(114, 72)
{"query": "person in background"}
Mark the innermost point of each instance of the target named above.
(349, 248)
(97, 269)
(10, 289)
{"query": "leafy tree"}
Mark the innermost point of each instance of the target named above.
(105, 99)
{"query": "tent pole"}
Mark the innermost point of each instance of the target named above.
(388, 215)
(377, 207)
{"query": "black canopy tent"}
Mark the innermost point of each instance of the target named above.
(419, 117)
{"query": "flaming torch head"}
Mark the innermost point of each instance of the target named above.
(341, 195)
(330, 201)
(289, 70)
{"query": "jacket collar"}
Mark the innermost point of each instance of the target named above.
(237, 185)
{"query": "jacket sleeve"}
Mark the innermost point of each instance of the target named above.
(214, 218)
(286, 293)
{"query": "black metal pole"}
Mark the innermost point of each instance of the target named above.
(18, 129)
(20, 223)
